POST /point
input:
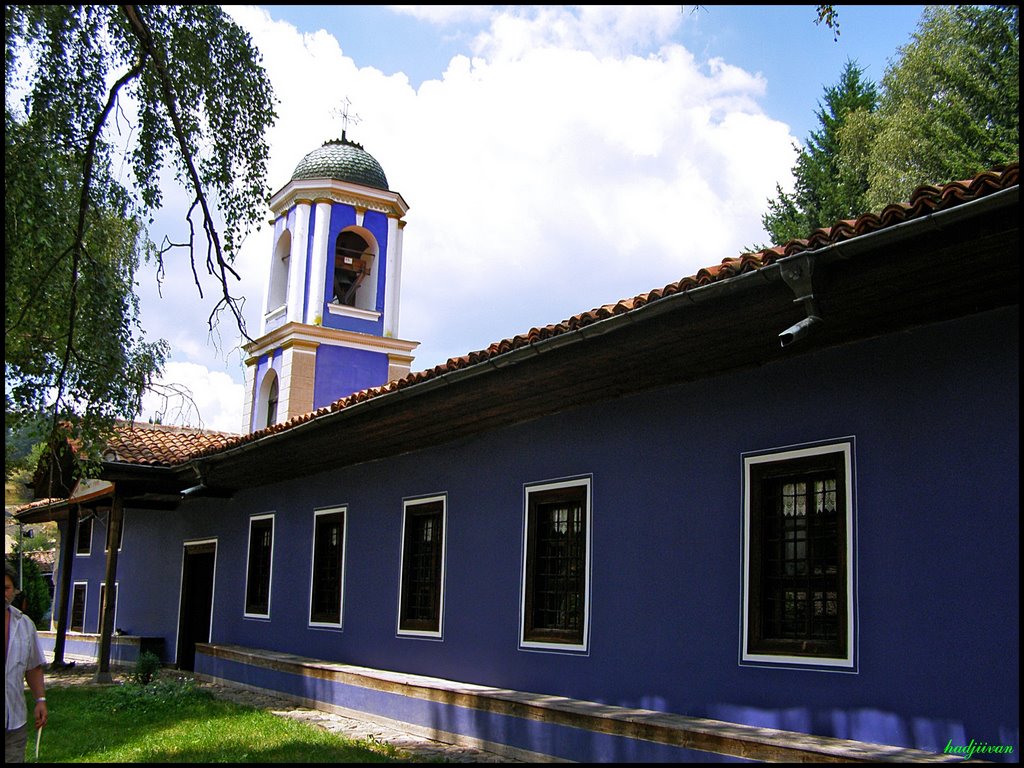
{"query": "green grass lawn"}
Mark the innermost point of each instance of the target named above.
(176, 722)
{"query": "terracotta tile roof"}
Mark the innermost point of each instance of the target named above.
(161, 445)
(925, 200)
(37, 504)
(44, 558)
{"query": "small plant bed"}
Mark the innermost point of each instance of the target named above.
(174, 721)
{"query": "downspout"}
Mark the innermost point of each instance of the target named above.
(200, 487)
(797, 275)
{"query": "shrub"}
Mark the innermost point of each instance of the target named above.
(147, 667)
(33, 589)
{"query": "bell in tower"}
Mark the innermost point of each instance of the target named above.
(352, 258)
(330, 314)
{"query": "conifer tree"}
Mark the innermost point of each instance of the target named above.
(820, 198)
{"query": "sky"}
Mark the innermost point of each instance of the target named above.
(554, 158)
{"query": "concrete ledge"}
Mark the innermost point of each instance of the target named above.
(704, 735)
(85, 646)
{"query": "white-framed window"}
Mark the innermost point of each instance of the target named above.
(79, 601)
(103, 593)
(799, 557)
(327, 582)
(422, 577)
(83, 537)
(259, 566)
(120, 533)
(555, 599)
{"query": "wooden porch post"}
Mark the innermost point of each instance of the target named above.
(110, 579)
(68, 543)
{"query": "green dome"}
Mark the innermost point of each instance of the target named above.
(343, 160)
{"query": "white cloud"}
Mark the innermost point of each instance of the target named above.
(189, 394)
(611, 31)
(443, 15)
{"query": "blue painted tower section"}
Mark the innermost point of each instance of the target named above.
(346, 371)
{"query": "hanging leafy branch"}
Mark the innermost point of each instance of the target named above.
(195, 87)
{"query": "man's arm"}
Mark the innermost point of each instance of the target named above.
(34, 678)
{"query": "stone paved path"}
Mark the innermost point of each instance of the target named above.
(410, 746)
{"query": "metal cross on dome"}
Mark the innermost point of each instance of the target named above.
(346, 118)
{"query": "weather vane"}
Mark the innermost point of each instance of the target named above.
(346, 118)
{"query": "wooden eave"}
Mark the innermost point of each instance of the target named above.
(140, 487)
(147, 487)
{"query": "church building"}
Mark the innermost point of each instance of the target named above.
(769, 511)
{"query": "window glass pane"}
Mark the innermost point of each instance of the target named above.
(421, 567)
(76, 622)
(558, 570)
(556, 562)
(797, 578)
(257, 598)
(328, 551)
(103, 594)
(84, 542)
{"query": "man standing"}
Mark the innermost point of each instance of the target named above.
(23, 661)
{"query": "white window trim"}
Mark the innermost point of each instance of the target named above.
(344, 560)
(529, 488)
(248, 553)
(413, 502)
(848, 663)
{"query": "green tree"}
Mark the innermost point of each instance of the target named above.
(821, 196)
(34, 590)
(950, 103)
(90, 89)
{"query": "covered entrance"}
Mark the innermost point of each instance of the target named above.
(196, 613)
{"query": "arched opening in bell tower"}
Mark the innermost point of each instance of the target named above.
(266, 403)
(277, 295)
(355, 277)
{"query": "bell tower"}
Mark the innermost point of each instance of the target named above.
(330, 312)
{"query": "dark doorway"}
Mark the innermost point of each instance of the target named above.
(196, 601)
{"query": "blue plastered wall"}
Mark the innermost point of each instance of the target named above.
(934, 415)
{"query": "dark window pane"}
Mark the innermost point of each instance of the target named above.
(556, 566)
(77, 621)
(421, 567)
(257, 597)
(84, 540)
(328, 549)
(797, 577)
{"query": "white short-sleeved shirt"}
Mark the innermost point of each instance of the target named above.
(23, 654)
